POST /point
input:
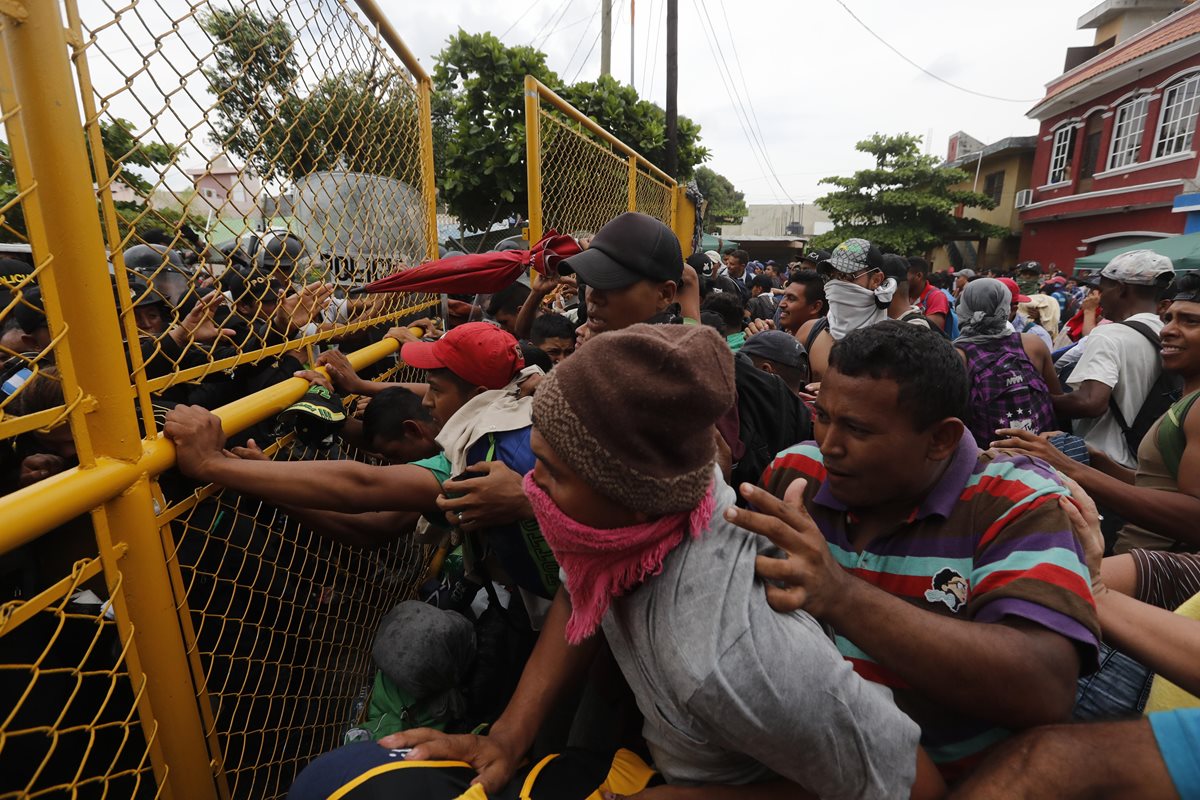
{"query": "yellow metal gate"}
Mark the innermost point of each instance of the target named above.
(159, 638)
(581, 176)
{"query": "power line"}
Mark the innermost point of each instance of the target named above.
(646, 64)
(750, 102)
(745, 118)
(936, 77)
(748, 119)
(518, 19)
(616, 19)
(654, 58)
(553, 28)
(709, 37)
(583, 63)
(579, 45)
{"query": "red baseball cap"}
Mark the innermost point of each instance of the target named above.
(1014, 290)
(478, 352)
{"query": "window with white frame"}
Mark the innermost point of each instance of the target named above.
(1180, 103)
(1127, 133)
(1060, 154)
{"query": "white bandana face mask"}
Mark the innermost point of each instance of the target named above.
(852, 306)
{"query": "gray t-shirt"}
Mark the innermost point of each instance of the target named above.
(734, 693)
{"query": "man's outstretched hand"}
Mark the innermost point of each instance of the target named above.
(808, 578)
(489, 756)
(198, 437)
(495, 497)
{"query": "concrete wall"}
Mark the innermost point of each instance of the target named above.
(772, 220)
(1018, 169)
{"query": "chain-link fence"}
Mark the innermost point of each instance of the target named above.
(282, 618)
(262, 159)
(581, 176)
(190, 193)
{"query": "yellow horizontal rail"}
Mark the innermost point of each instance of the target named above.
(377, 18)
(551, 97)
(15, 613)
(30, 512)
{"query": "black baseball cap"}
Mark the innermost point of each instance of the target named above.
(778, 346)
(702, 264)
(630, 248)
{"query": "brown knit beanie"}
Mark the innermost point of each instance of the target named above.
(633, 412)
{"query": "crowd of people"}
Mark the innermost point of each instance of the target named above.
(711, 528)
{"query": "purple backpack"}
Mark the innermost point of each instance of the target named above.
(1007, 391)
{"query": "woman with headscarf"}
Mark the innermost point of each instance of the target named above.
(1012, 376)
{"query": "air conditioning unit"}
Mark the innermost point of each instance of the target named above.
(1024, 198)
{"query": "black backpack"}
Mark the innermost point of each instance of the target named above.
(770, 419)
(1167, 388)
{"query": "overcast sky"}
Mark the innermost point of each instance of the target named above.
(807, 78)
(814, 79)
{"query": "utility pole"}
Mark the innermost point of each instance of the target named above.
(672, 88)
(605, 37)
(632, 45)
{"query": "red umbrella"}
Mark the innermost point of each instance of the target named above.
(480, 273)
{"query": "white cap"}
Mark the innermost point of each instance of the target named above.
(1139, 267)
(713, 256)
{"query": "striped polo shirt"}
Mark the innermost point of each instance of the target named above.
(988, 541)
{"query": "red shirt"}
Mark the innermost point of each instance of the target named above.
(933, 301)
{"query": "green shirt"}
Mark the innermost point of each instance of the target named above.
(736, 340)
(439, 465)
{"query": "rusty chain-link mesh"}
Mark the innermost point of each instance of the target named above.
(253, 163)
(283, 621)
(586, 181)
(269, 151)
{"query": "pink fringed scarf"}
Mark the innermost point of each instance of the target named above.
(601, 564)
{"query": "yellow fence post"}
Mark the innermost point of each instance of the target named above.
(533, 157)
(683, 218)
(429, 180)
(633, 183)
(45, 90)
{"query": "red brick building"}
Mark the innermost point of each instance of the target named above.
(1116, 143)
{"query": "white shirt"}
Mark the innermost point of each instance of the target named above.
(1120, 357)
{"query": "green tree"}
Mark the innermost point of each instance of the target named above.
(127, 157)
(361, 120)
(253, 76)
(638, 123)
(723, 203)
(478, 114)
(905, 203)
(479, 124)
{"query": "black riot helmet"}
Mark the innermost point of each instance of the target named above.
(162, 268)
(279, 253)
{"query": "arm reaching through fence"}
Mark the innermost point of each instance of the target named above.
(368, 529)
(347, 486)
